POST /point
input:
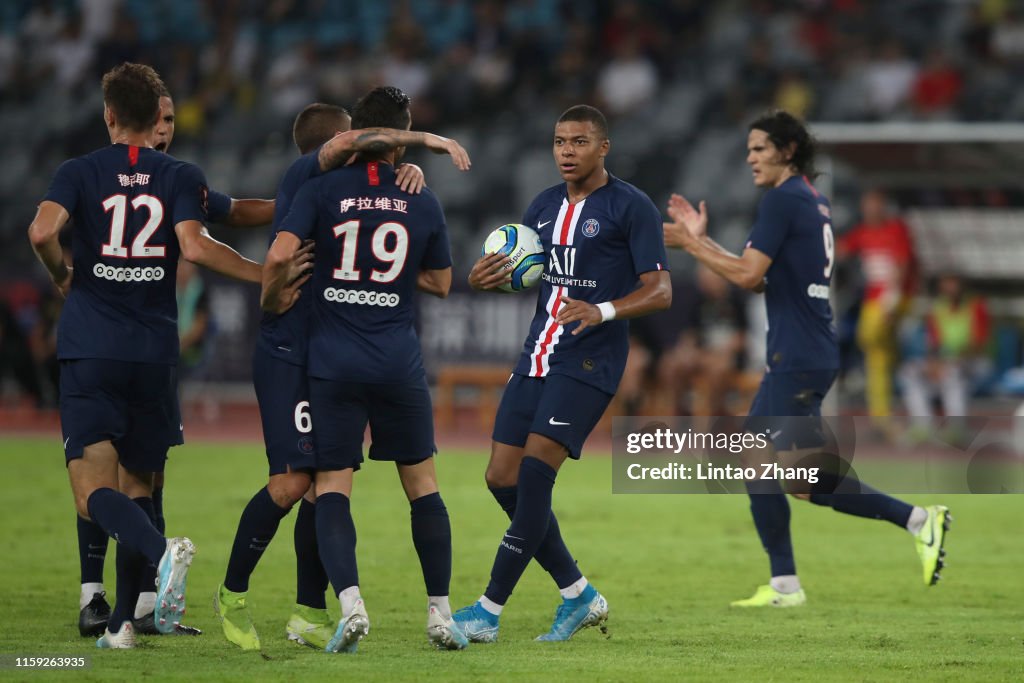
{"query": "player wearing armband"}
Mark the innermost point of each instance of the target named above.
(789, 256)
(606, 263)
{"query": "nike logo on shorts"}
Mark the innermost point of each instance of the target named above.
(555, 423)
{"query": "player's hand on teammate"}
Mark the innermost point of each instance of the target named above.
(489, 272)
(443, 145)
(688, 224)
(572, 310)
(300, 267)
(409, 178)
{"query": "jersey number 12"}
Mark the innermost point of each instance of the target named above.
(139, 249)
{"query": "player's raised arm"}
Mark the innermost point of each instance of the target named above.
(339, 149)
(200, 248)
(688, 230)
(44, 234)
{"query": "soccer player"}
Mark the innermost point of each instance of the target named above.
(134, 210)
(789, 256)
(280, 379)
(365, 364)
(606, 264)
(92, 540)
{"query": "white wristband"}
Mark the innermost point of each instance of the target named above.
(607, 309)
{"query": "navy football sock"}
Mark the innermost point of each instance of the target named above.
(126, 522)
(528, 528)
(147, 581)
(256, 530)
(336, 536)
(130, 567)
(432, 536)
(552, 554)
(92, 550)
(311, 579)
(158, 508)
(770, 509)
(870, 503)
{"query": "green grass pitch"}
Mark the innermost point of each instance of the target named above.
(669, 565)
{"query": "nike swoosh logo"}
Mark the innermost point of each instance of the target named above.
(541, 225)
(931, 536)
(518, 538)
(66, 442)
(556, 423)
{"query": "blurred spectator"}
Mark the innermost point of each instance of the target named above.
(194, 324)
(697, 346)
(16, 357)
(883, 244)
(888, 79)
(956, 331)
(938, 86)
(629, 81)
(794, 95)
(711, 351)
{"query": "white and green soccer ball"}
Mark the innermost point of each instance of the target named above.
(522, 245)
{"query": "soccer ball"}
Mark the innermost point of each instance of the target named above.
(521, 244)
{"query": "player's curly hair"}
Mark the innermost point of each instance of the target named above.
(132, 92)
(382, 107)
(785, 130)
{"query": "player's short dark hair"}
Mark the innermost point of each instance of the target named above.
(783, 130)
(132, 92)
(382, 107)
(318, 123)
(584, 113)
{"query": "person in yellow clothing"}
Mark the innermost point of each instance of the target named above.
(883, 244)
(957, 329)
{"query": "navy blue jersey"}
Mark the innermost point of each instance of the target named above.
(286, 336)
(124, 202)
(794, 229)
(597, 249)
(219, 207)
(372, 240)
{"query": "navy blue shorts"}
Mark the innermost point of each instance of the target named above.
(557, 406)
(132, 405)
(282, 391)
(785, 407)
(400, 416)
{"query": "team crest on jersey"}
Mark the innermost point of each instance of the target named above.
(306, 444)
(591, 227)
